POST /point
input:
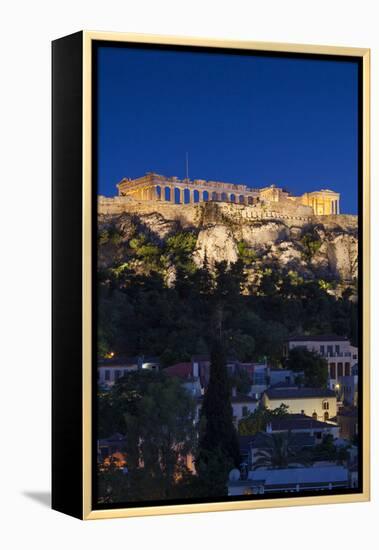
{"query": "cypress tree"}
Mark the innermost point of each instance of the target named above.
(218, 441)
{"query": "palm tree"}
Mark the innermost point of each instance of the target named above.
(280, 453)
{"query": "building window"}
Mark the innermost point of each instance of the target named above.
(347, 369)
(322, 350)
(337, 350)
(117, 374)
(339, 370)
(332, 370)
(314, 416)
(329, 350)
(326, 415)
(244, 411)
(107, 375)
(325, 405)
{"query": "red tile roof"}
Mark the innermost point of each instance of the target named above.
(181, 370)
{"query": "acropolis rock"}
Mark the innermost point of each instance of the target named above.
(269, 221)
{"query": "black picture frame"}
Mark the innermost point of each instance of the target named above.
(69, 203)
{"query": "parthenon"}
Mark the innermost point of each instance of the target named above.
(155, 187)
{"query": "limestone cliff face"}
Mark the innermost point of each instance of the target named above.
(324, 247)
(216, 242)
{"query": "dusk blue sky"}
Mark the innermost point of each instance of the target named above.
(250, 120)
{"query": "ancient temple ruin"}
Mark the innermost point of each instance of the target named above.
(155, 187)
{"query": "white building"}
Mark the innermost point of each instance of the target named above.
(109, 374)
(242, 406)
(340, 355)
(291, 480)
(111, 369)
(318, 403)
(348, 390)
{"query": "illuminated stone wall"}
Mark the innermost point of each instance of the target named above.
(273, 194)
(291, 214)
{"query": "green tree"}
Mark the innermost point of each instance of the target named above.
(312, 244)
(269, 283)
(229, 281)
(241, 381)
(146, 250)
(203, 279)
(241, 346)
(280, 453)
(327, 450)
(257, 421)
(156, 414)
(218, 443)
(246, 253)
(314, 366)
(179, 249)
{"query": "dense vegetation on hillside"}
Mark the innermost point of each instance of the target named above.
(154, 300)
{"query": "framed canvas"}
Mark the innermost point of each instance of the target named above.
(210, 275)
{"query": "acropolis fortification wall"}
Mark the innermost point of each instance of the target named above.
(192, 214)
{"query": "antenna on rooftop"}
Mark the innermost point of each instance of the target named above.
(187, 166)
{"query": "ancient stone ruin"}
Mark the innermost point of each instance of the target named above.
(172, 190)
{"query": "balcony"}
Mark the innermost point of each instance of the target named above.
(336, 354)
